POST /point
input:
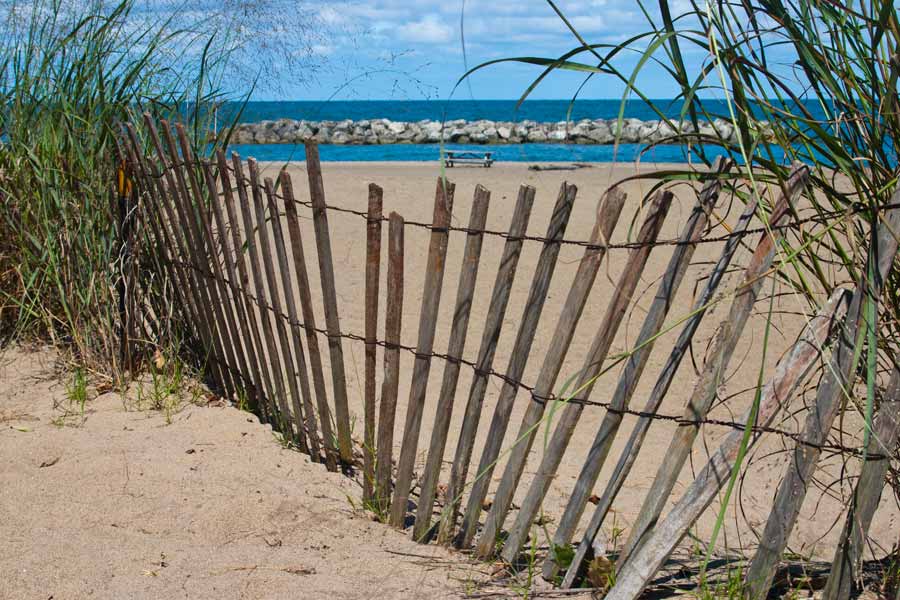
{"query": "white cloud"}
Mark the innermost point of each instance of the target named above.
(428, 30)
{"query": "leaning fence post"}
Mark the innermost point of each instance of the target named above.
(587, 377)
(629, 453)
(309, 322)
(391, 381)
(291, 304)
(723, 345)
(373, 274)
(883, 438)
(789, 373)
(329, 299)
(608, 211)
(534, 306)
(496, 313)
(464, 293)
(634, 367)
(431, 298)
(792, 490)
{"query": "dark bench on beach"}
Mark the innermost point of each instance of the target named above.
(452, 157)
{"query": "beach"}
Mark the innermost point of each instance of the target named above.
(149, 505)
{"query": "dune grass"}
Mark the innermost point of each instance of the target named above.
(69, 78)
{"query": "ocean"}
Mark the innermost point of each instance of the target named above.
(470, 110)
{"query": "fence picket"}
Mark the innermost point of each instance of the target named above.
(618, 304)
(789, 373)
(178, 221)
(309, 320)
(308, 412)
(629, 454)
(431, 298)
(464, 294)
(249, 321)
(250, 227)
(391, 381)
(531, 315)
(723, 345)
(792, 489)
(628, 380)
(503, 281)
(373, 274)
(608, 210)
(848, 556)
(193, 205)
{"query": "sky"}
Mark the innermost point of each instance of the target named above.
(417, 49)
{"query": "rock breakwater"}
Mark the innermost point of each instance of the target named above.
(385, 131)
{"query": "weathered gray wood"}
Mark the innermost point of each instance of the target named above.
(464, 294)
(848, 556)
(792, 490)
(608, 210)
(302, 375)
(518, 359)
(431, 299)
(226, 308)
(250, 321)
(183, 234)
(724, 342)
(391, 381)
(491, 334)
(373, 274)
(292, 411)
(251, 229)
(789, 373)
(329, 300)
(155, 210)
(245, 348)
(309, 322)
(196, 210)
(634, 367)
(590, 372)
(630, 452)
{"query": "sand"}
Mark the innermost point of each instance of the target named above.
(197, 502)
(242, 517)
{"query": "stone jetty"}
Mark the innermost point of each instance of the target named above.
(385, 131)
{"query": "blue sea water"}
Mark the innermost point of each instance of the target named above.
(471, 110)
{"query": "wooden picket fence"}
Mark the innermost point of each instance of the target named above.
(218, 258)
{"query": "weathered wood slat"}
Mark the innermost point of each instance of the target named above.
(724, 342)
(792, 489)
(177, 222)
(194, 207)
(496, 313)
(608, 210)
(391, 381)
(464, 294)
(302, 375)
(264, 385)
(245, 347)
(634, 367)
(559, 441)
(329, 300)
(789, 373)
(534, 306)
(431, 298)
(373, 274)
(848, 556)
(225, 297)
(630, 452)
(292, 412)
(309, 322)
(151, 180)
(250, 227)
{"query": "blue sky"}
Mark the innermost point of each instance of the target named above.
(405, 49)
